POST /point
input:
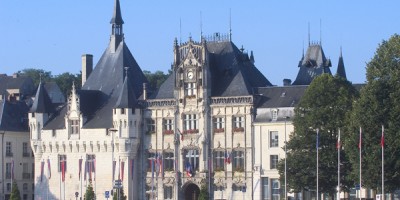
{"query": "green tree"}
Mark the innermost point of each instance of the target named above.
(157, 78)
(323, 106)
(379, 104)
(36, 75)
(15, 195)
(122, 196)
(65, 80)
(89, 195)
(203, 193)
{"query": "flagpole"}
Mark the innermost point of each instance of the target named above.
(317, 160)
(338, 152)
(383, 162)
(360, 147)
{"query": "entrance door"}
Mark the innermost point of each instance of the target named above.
(192, 192)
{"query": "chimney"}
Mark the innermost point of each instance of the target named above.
(87, 66)
(287, 82)
(144, 91)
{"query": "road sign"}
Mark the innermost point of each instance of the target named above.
(107, 194)
(117, 184)
(357, 187)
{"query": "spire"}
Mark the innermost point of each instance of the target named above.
(116, 22)
(127, 98)
(252, 57)
(42, 102)
(340, 69)
(117, 17)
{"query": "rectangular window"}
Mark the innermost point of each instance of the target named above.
(168, 192)
(238, 124)
(9, 149)
(265, 188)
(238, 161)
(25, 150)
(273, 139)
(152, 161)
(273, 161)
(275, 188)
(169, 161)
(191, 157)
(74, 126)
(62, 158)
(25, 187)
(25, 171)
(190, 123)
(8, 170)
(8, 187)
(122, 111)
(25, 197)
(219, 160)
(219, 124)
(191, 89)
(168, 125)
(151, 126)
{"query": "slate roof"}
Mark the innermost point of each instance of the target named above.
(127, 98)
(341, 71)
(42, 102)
(313, 64)
(166, 90)
(23, 83)
(13, 116)
(279, 97)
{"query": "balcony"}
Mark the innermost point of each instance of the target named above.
(25, 155)
(219, 130)
(9, 154)
(238, 129)
(26, 175)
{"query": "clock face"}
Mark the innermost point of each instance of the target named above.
(190, 75)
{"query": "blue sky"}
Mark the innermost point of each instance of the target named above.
(52, 35)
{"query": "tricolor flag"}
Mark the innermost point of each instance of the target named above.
(86, 170)
(114, 163)
(359, 143)
(132, 168)
(48, 169)
(383, 137)
(12, 169)
(94, 168)
(159, 162)
(188, 168)
(338, 144)
(122, 170)
(63, 162)
(80, 168)
(227, 157)
(41, 170)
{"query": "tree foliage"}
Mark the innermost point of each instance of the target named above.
(122, 195)
(203, 195)
(37, 75)
(157, 78)
(89, 195)
(324, 107)
(15, 194)
(379, 104)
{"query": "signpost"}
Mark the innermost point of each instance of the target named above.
(118, 186)
(107, 194)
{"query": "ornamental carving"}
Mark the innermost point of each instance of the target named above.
(232, 100)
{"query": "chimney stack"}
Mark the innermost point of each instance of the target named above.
(87, 66)
(144, 91)
(287, 82)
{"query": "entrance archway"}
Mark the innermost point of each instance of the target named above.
(191, 192)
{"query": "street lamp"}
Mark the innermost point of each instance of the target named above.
(76, 195)
(286, 118)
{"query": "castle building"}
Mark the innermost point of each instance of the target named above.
(216, 123)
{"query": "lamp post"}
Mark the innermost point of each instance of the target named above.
(286, 118)
(76, 195)
(112, 130)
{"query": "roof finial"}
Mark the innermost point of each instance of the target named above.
(230, 25)
(242, 49)
(341, 51)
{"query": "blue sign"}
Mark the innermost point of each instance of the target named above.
(107, 194)
(357, 187)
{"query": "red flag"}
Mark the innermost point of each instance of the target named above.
(80, 168)
(383, 137)
(122, 170)
(63, 170)
(48, 168)
(41, 170)
(338, 144)
(359, 143)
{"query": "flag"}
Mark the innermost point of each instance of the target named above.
(227, 157)
(338, 144)
(90, 169)
(188, 169)
(132, 167)
(359, 143)
(122, 170)
(86, 170)
(179, 131)
(12, 169)
(80, 168)
(383, 137)
(317, 143)
(63, 170)
(94, 168)
(48, 169)
(159, 162)
(41, 170)
(114, 162)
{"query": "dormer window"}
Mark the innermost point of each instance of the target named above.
(122, 111)
(74, 126)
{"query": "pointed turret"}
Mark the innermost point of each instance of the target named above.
(252, 57)
(117, 34)
(42, 103)
(340, 69)
(127, 97)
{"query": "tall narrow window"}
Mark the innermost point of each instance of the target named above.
(169, 161)
(25, 150)
(9, 149)
(265, 188)
(273, 139)
(168, 192)
(275, 189)
(238, 124)
(74, 126)
(191, 89)
(273, 161)
(191, 159)
(25, 171)
(219, 160)
(168, 126)
(8, 170)
(219, 124)
(238, 160)
(190, 123)
(151, 126)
